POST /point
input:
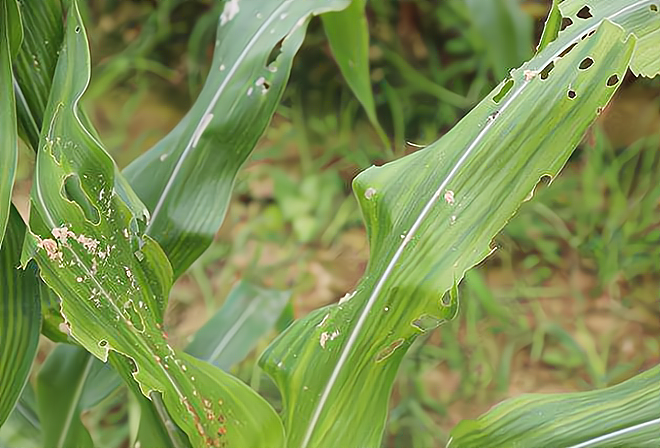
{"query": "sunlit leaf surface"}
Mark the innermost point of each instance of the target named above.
(431, 216)
(187, 178)
(86, 234)
(627, 414)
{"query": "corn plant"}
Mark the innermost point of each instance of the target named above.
(102, 247)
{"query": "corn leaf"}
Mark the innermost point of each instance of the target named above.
(232, 333)
(431, 216)
(35, 63)
(19, 316)
(187, 178)
(22, 428)
(348, 35)
(59, 388)
(86, 235)
(10, 39)
(552, 26)
(627, 414)
(506, 32)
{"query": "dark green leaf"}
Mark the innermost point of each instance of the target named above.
(10, 36)
(19, 316)
(187, 178)
(36, 62)
(348, 36)
(552, 26)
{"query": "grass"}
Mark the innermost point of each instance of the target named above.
(569, 301)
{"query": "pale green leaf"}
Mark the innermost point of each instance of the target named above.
(86, 235)
(19, 316)
(430, 216)
(248, 313)
(187, 178)
(59, 389)
(625, 415)
(641, 17)
(22, 428)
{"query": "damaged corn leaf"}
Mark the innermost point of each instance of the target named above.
(641, 17)
(86, 235)
(430, 217)
(187, 178)
(627, 414)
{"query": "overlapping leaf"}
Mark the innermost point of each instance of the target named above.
(431, 216)
(19, 316)
(86, 235)
(36, 62)
(627, 414)
(186, 179)
(232, 333)
(59, 390)
(10, 39)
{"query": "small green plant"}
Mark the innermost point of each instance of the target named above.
(102, 248)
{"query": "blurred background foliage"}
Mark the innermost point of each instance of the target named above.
(570, 300)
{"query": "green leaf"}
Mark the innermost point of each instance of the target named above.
(348, 36)
(59, 389)
(627, 414)
(86, 237)
(10, 30)
(552, 26)
(35, 64)
(430, 217)
(13, 27)
(19, 316)
(187, 178)
(232, 333)
(506, 32)
(22, 428)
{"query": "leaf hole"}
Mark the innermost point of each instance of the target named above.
(274, 53)
(572, 94)
(503, 91)
(546, 71)
(103, 343)
(568, 50)
(73, 191)
(585, 13)
(586, 63)
(653, 8)
(565, 23)
(77, 30)
(613, 80)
